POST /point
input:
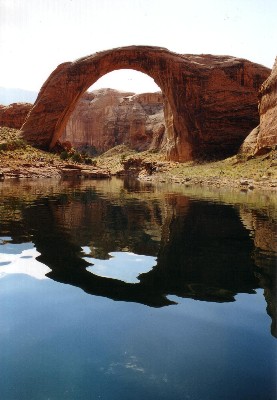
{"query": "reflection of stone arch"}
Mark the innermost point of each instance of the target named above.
(210, 101)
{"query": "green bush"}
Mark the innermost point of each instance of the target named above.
(3, 146)
(88, 151)
(76, 157)
(11, 145)
(64, 155)
(90, 161)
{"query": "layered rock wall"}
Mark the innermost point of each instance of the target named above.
(105, 118)
(14, 114)
(267, 137)
(264, 137)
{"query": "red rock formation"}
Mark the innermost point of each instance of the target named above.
(14, 114)
(105, 118)
(264, 136)
(268, 112)
(211, 101)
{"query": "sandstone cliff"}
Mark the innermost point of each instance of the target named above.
(264, 137)
(268, 111)
(211, 101)
(14, 114)
(105, 118)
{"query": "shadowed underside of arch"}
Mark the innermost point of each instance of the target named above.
(210, 101)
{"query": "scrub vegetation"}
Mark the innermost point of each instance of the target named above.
(258, 172)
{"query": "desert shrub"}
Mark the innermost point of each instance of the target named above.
(64, 155)
(88, 151)
(89, 161)
(76, 157)
(3, 146)
(11, 145)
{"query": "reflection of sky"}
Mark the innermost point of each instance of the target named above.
(20, 259)
(124, 266)
(57, 342)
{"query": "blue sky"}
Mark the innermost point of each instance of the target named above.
(37, 35)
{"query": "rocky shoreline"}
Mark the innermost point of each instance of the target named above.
(243, 184)
(150, 168)
(42, 170)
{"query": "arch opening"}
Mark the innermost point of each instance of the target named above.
(124, 107)
(126, 80)
(91, 81)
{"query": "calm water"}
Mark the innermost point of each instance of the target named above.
(115, 290)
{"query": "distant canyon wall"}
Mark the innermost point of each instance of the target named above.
(106, 118)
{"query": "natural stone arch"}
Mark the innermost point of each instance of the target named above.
(210, 101)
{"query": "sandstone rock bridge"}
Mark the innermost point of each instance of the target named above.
(210, 101)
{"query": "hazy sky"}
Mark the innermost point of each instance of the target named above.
(37, 35)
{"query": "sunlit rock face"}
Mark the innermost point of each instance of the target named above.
(105, 118)
(264, 136)
(210, 101)
(268, 112)
(14, 115)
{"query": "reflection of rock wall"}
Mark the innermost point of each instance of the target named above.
(267, 279)
(135, 227)
(203, 250)
(265, 239)
(106, 118)
(205, 269)
(263, 229)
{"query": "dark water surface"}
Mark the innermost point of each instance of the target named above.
(115, 290)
